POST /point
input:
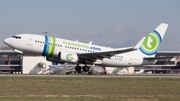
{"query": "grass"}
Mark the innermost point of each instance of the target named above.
(89, 89)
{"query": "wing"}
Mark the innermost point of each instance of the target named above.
(100, 55)
(107, 54)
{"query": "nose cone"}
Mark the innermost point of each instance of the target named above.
(7, 41)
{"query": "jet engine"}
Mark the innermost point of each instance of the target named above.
(68, 57)
(64, 57)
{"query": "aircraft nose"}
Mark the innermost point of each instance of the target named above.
(7, 41)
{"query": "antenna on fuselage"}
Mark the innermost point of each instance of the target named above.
(45, 32)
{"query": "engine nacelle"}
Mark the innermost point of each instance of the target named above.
(64, 57)
(68, 57)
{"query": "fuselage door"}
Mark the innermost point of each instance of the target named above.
(130, 60)
(30, 40)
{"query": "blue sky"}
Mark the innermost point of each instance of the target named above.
(101, 21)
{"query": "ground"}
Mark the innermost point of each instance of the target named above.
(89, 89)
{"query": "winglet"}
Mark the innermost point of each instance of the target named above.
(139, 43)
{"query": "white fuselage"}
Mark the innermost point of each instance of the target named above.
(51, 46)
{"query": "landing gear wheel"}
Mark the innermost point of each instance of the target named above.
(20, 57)
(78, 68)
(85, 68)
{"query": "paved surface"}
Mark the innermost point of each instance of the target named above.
(126, 76)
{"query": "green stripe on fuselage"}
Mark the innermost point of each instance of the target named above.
(53, 47)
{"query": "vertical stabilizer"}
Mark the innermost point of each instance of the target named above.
(152, 42)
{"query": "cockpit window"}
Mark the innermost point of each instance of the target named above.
(16, 37)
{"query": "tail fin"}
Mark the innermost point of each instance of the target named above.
(152, 42)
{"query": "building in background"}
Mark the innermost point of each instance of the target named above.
(30, 64)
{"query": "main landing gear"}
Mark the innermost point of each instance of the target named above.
(85, 68)
(78, 68)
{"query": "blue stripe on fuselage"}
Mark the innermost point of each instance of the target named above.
(48, 45)
(45, 46)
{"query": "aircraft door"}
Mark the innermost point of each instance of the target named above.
(30, 40)
(130, 60)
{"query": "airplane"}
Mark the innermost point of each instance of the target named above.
(57, 69)
(61, 50)
(140, 72)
